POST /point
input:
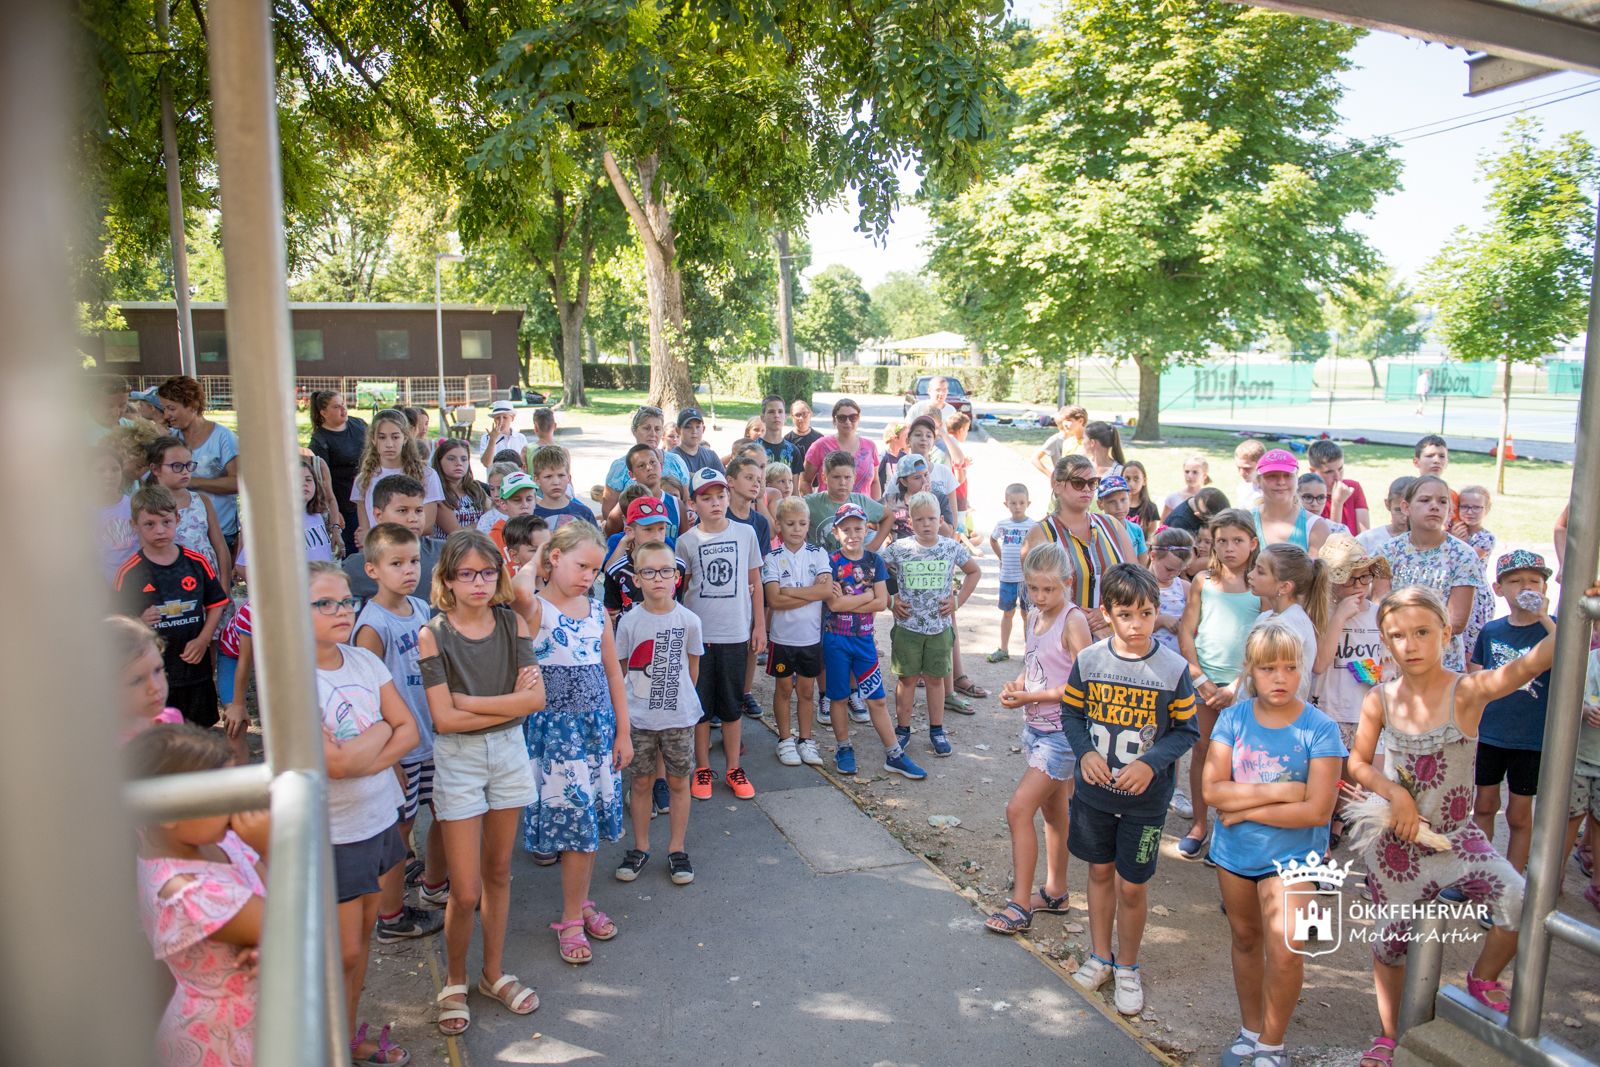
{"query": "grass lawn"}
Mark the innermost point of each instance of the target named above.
(302, 421)
(1535, 491)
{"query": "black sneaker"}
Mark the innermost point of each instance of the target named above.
(411, 922)
(752, 706)
(633, 862)
(679, 868)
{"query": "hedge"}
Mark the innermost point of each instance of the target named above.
(616, 376)
(1020, 384)
(763, 379)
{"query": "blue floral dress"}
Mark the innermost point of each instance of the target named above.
(570, 741)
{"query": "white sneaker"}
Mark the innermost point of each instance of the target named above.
(1092, 974)
(1181, 805)
(788, 754)
(809, 754)
(1129, 994)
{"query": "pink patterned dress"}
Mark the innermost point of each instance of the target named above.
(210, 1021)
(1436, 769)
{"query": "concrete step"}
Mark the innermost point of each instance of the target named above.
(1443, 1044)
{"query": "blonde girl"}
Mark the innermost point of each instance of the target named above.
(1196, 476)
(482, 681)
(780, 484)
(465, 500)
(580, 744)
(1057, 631)
(1428, 721)
(171, 465)
(1216, 620)
(1272, 774)
(141, 676)
(390, 449)
(1293, 589)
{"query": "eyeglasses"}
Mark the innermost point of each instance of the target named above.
(329, 606)
(1471, 507)
(182, 468)
(1081, 484)
(848, 418)
(1361, 579)
(468, 576)
(652, 573)
(1314, 498)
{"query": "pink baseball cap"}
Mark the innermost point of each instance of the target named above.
(1278, 461)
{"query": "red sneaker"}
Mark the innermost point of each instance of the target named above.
(739, 784)
(700, 785)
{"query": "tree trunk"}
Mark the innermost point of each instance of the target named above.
(785, 304)
(594, 348)
(1505, 430)
(572, 394)
(1149, 428)
(633, 352)
(670, 386)
(1372, 368)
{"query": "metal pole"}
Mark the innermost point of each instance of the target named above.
(175, 220)
(59, 774)
(438, 331)
(1545, 859)
(1423, 962)
(295, 1025)
(1333, 385)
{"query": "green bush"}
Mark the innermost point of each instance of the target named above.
(757, 380)
(616, 376)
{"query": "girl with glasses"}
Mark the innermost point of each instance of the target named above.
(172, 466)
(1472, 508)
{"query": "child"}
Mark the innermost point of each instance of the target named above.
(366, 729)
(1511, 734)
(1005, 541)
(746, 476)
(141, 677)
(1140, 508)
(399, 500)
(418, 417)
(644, 468)
(924, 606)
(691, 446)
(1057, 632)
(1431, 455)
(1272, 773)
(838, 475)
(552, 470)
(515, 497)
(796, 580)
(320, 539)
(1293, 589)
(1427, 555)
(1312, 492)
(175, 592)
(390, 450)
(580, 742)
(464, 499)
(1349, 647)
(1113, 498)
(1201, 560)
(1399, 522)
(780, 484)
(1138, 697)
(894, 447)
(1427, 720)
(724, 589)
(202, 884)
(1169, 558)
(171, 465)
(849, 653)
(501, 435)
(482, 681)
(1246, 454)
(1196, 475)
(1472, 507)
(235, 661)
(526, 536)
(646, 521)
(513, 457)
(1347, 501)
(659, 646)
(1586, 776)
(491, 480)
(387, 627)
(1066, 441)
(113, 523)
(1217, 617)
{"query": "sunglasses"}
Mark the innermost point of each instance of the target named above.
(1081, 484)
(847, 418)
(329, 606)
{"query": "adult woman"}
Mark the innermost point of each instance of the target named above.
(338, 437)
(1094, 542)
(846, 421)
(213, 447)
(648, 426)
(1102, 443)
(1426, 555)
(1279, 517)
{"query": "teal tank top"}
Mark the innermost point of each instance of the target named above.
(1225, 621)
(1300, 537)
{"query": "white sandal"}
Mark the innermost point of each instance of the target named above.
(517, 1004)
(453, 1012)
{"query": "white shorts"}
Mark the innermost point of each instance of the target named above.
(474, 773)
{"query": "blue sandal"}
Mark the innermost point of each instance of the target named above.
(1009, 920)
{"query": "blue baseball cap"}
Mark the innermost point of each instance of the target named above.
(1112, 483)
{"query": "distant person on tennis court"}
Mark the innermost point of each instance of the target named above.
(1424, 383)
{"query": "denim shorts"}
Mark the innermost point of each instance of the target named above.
(358, 866)
(473, 773)
(1013, 595)
(1050, 753)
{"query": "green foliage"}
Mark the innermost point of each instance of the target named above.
(1375, 315)
(910, 306)
(836, 314)
(1520, 286)
(1169, 183)
(616, 376)
(757, 380)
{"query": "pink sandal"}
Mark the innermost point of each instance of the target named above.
(570, 938)
(1381, 1052)
(1479, 990)
(597, 922)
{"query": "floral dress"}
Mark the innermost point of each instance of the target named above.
(571, 740)
(1443, 568)
(210, 1020)
(194, 532)
(1436, 769)
(1482, 544)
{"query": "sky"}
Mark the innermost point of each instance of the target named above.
(1398, 84)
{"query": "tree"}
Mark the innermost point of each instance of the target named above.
(768, 108)
(837, 314)
(1519, 287)
(1169, 184)
(1375, 316)
(910, 306)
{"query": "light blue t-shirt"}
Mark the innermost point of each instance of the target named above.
(212, 459)
(1264, 754)
(672, 466)
(399, 637)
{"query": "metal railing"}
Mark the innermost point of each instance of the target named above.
(421, 392)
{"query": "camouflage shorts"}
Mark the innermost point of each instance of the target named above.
(675, 747)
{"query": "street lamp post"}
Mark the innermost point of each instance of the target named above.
(438, 325)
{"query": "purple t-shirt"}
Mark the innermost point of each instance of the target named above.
(854, 576)
(866, 459)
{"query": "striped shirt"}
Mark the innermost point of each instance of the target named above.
(1088, 560)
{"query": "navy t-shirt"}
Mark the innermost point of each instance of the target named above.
(1517, 720)
(556, 518)
(757, 522)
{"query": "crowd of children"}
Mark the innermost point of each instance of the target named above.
(485, 649)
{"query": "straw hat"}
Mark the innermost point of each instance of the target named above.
(1344, 556)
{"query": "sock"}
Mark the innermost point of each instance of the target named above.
(1268, 1048)
(392, 918)
(1250, 1035)
(894, 753)
(432, 887)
